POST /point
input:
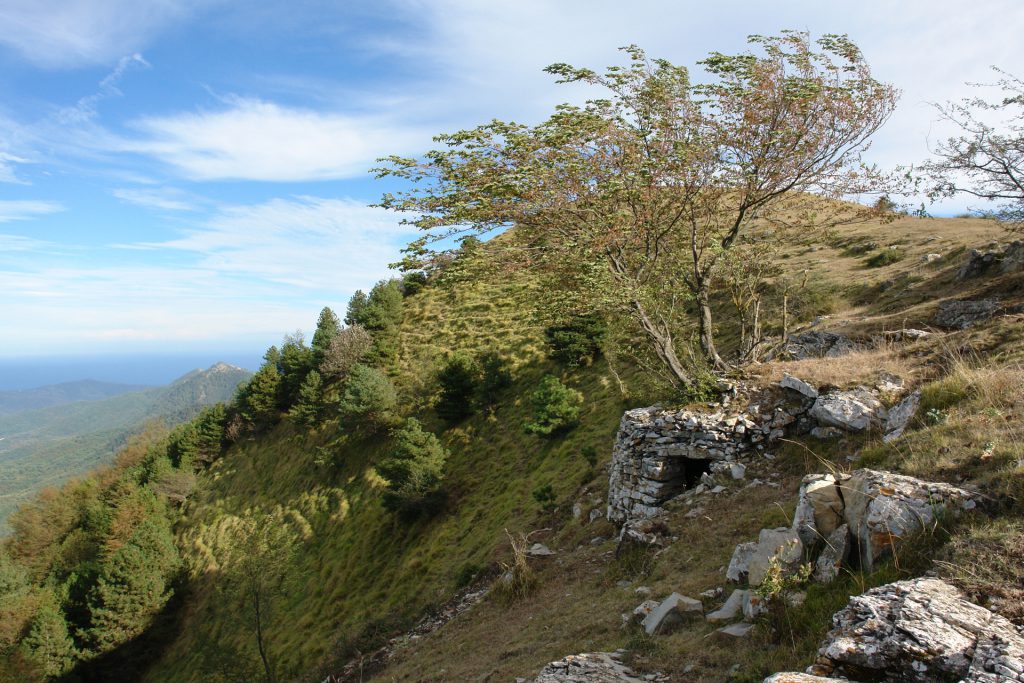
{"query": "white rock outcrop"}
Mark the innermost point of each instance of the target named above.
(593, 667)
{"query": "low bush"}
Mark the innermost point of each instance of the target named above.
(556, 408)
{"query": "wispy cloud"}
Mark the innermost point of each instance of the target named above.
(69, 33)
(23, 209)
(162, 198)
(12, 243)
(85, 108)
(309, 243)
(258, 140)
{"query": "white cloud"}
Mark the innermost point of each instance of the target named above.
(85, 108)
(258, 140)
(163, 199)
(13, 243)
(69, 33)
(23, 209)
(310, 243)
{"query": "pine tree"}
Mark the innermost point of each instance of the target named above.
(369, 398)
(48, 642)
(355, 314)
(296, 362)
(414, 469)
(309, 409)
(459, 378)
(327, 328)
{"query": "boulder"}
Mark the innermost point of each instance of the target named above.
(798, 385)
(819, 509)
(900, 416)
(673, 611)
(854, 410)
(993, 261)
(641, 611)
(753, 606)
(732, 608)
(739, 564)
(819, 345)
(918, 631)
(883, 509)
(833, 557)
(737, 630)
(782, 544)
(795, 677)
(539, 550)
(961, 314)
(594, 667)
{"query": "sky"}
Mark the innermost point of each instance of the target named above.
(190, 176)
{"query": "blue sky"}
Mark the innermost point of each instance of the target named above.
(190, 175)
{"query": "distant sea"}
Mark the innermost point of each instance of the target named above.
(38, 371)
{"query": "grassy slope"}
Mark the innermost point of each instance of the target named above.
(361, 566)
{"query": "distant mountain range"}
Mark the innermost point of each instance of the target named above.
(59, 394)
(47, 446)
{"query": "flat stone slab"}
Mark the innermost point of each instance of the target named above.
(593, 667)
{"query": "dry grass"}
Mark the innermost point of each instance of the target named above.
(862, 367)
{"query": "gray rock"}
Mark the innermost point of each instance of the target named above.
(739, 564)
(961, 314)
(595, 515)
(819, 509)
(732, 608)
(782, 544)
(993, 261)
(900, 416)
(854, 410)
(673, 611)
(753, 606)
(798, 385)
(594, 667)
(928, 258)
(883, 509)
(737, 630)
(738, 470)
(819, 345)
(641, 611)
(539, 550)
(794, 677)
(833, 557)
(826, 433)
(919, 631)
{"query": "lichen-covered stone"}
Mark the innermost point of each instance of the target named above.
(854, 410)
(900, 416)
(884, 509)
(919, 631)
(819, 508)
(961, 314)
(833, 556)
(594, 667)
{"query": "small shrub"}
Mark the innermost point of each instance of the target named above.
(467, 573)
(556, 408)
(517, 579)
(459, 379)
(884, 258)
(414, 470)
(545, 497)
(578, 341)
(934, 416)
(495, 377)
(589, 454)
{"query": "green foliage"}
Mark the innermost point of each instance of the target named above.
(133, 585)
(257, 401)
(369, 399)
(556, 407)
(413, 282)
(495, 377)
(577, 341)
(380, 314)
(414, 469)
(327, 328)
(296, 361)
(309, 409)
(459, 379)
(545, 497)
(48, 642)
(883, 258)
(590, 455)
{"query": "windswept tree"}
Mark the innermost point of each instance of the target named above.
(630, 202)
(984, 159)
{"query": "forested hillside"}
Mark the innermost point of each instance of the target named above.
(48, 446)
(433, 486)
(59, 394)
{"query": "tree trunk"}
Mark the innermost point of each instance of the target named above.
(707, 331)
(259, 638)
(663, 346)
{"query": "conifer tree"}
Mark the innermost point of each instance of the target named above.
(414, 469)
(355, 315)
(48, 642)
(327, 328)
(308, 410)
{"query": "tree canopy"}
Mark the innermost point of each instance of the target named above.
(629, 202)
